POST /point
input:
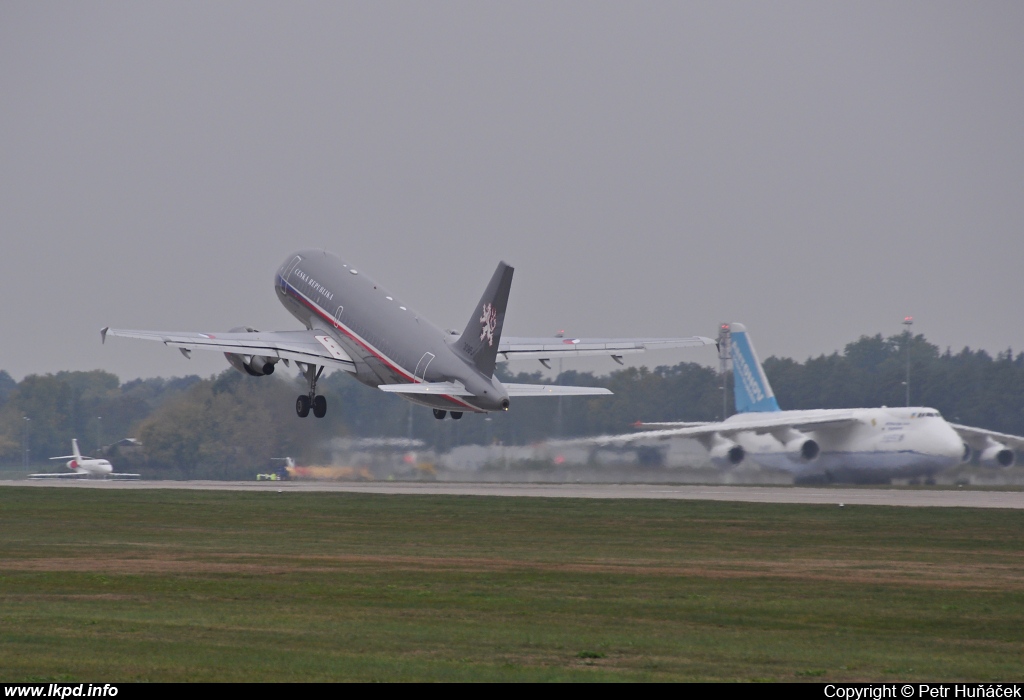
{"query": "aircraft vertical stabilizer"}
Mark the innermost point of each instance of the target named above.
(483, 332)
(750, 385)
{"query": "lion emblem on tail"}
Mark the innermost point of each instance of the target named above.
(488, 322)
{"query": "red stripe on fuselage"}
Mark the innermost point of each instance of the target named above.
(301, 298)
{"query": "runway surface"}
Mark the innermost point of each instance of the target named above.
(964, 498)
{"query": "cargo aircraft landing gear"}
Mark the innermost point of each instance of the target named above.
(439, 414)
(317, 402)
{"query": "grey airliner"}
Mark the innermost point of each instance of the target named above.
(355, 324)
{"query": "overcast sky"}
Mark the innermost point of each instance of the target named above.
(814, 170)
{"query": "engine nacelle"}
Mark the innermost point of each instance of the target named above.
(247, 364)
(253, 365)
(798, 447)
(803, 449)
(725, 453)
(259, 365)
(996, 454)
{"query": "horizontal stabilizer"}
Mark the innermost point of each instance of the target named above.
(554, 390)
(438, 388)
(554, 348)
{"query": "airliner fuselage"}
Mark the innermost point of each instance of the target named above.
(386, 339)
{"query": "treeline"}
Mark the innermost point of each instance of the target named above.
(231, 425)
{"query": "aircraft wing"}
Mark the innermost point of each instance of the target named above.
(969, 434)
(59, 475)
(311, 347)
(729, 428)
(554, 348)
(123, 475)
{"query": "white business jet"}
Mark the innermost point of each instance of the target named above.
(84, 468)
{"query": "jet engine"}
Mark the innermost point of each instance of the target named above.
(805, 449)
(798, 446)
(996, 454)
(725, 453)
(253, 365)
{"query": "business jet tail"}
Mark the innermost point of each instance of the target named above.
(750, 385)
(483, 332)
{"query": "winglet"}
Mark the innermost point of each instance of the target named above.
(103, 335)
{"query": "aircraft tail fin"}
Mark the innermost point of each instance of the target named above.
(483, 332)
(750, 385)
(75, 451)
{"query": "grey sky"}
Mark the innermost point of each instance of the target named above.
(814, 170)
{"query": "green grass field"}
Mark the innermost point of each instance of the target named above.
(128, 585)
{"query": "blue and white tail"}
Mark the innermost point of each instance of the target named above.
(750, 386)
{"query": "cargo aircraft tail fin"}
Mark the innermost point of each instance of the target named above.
(750, 385)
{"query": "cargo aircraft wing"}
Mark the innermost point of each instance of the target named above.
(728, 428)
(311, 346)
(977, 436)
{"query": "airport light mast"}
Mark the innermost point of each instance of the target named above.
(908, 321)
(724, 342)
(24, 439)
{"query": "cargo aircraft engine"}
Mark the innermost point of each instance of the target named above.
(996, 454)
(798, 447)
(724, 452)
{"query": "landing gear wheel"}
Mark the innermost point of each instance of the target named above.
(302, 406)
(320, 406)
(456, 415)
(439, 414)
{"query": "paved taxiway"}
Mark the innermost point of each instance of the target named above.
(962, 498)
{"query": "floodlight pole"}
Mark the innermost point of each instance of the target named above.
(908, 321)
(25, 440)
(724, 347)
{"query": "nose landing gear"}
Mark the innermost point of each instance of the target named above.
(439, 414)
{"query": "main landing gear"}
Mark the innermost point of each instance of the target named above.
(439, 414)
(311, 400)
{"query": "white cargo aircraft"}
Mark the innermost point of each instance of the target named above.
(84, 467)
(864, 442)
